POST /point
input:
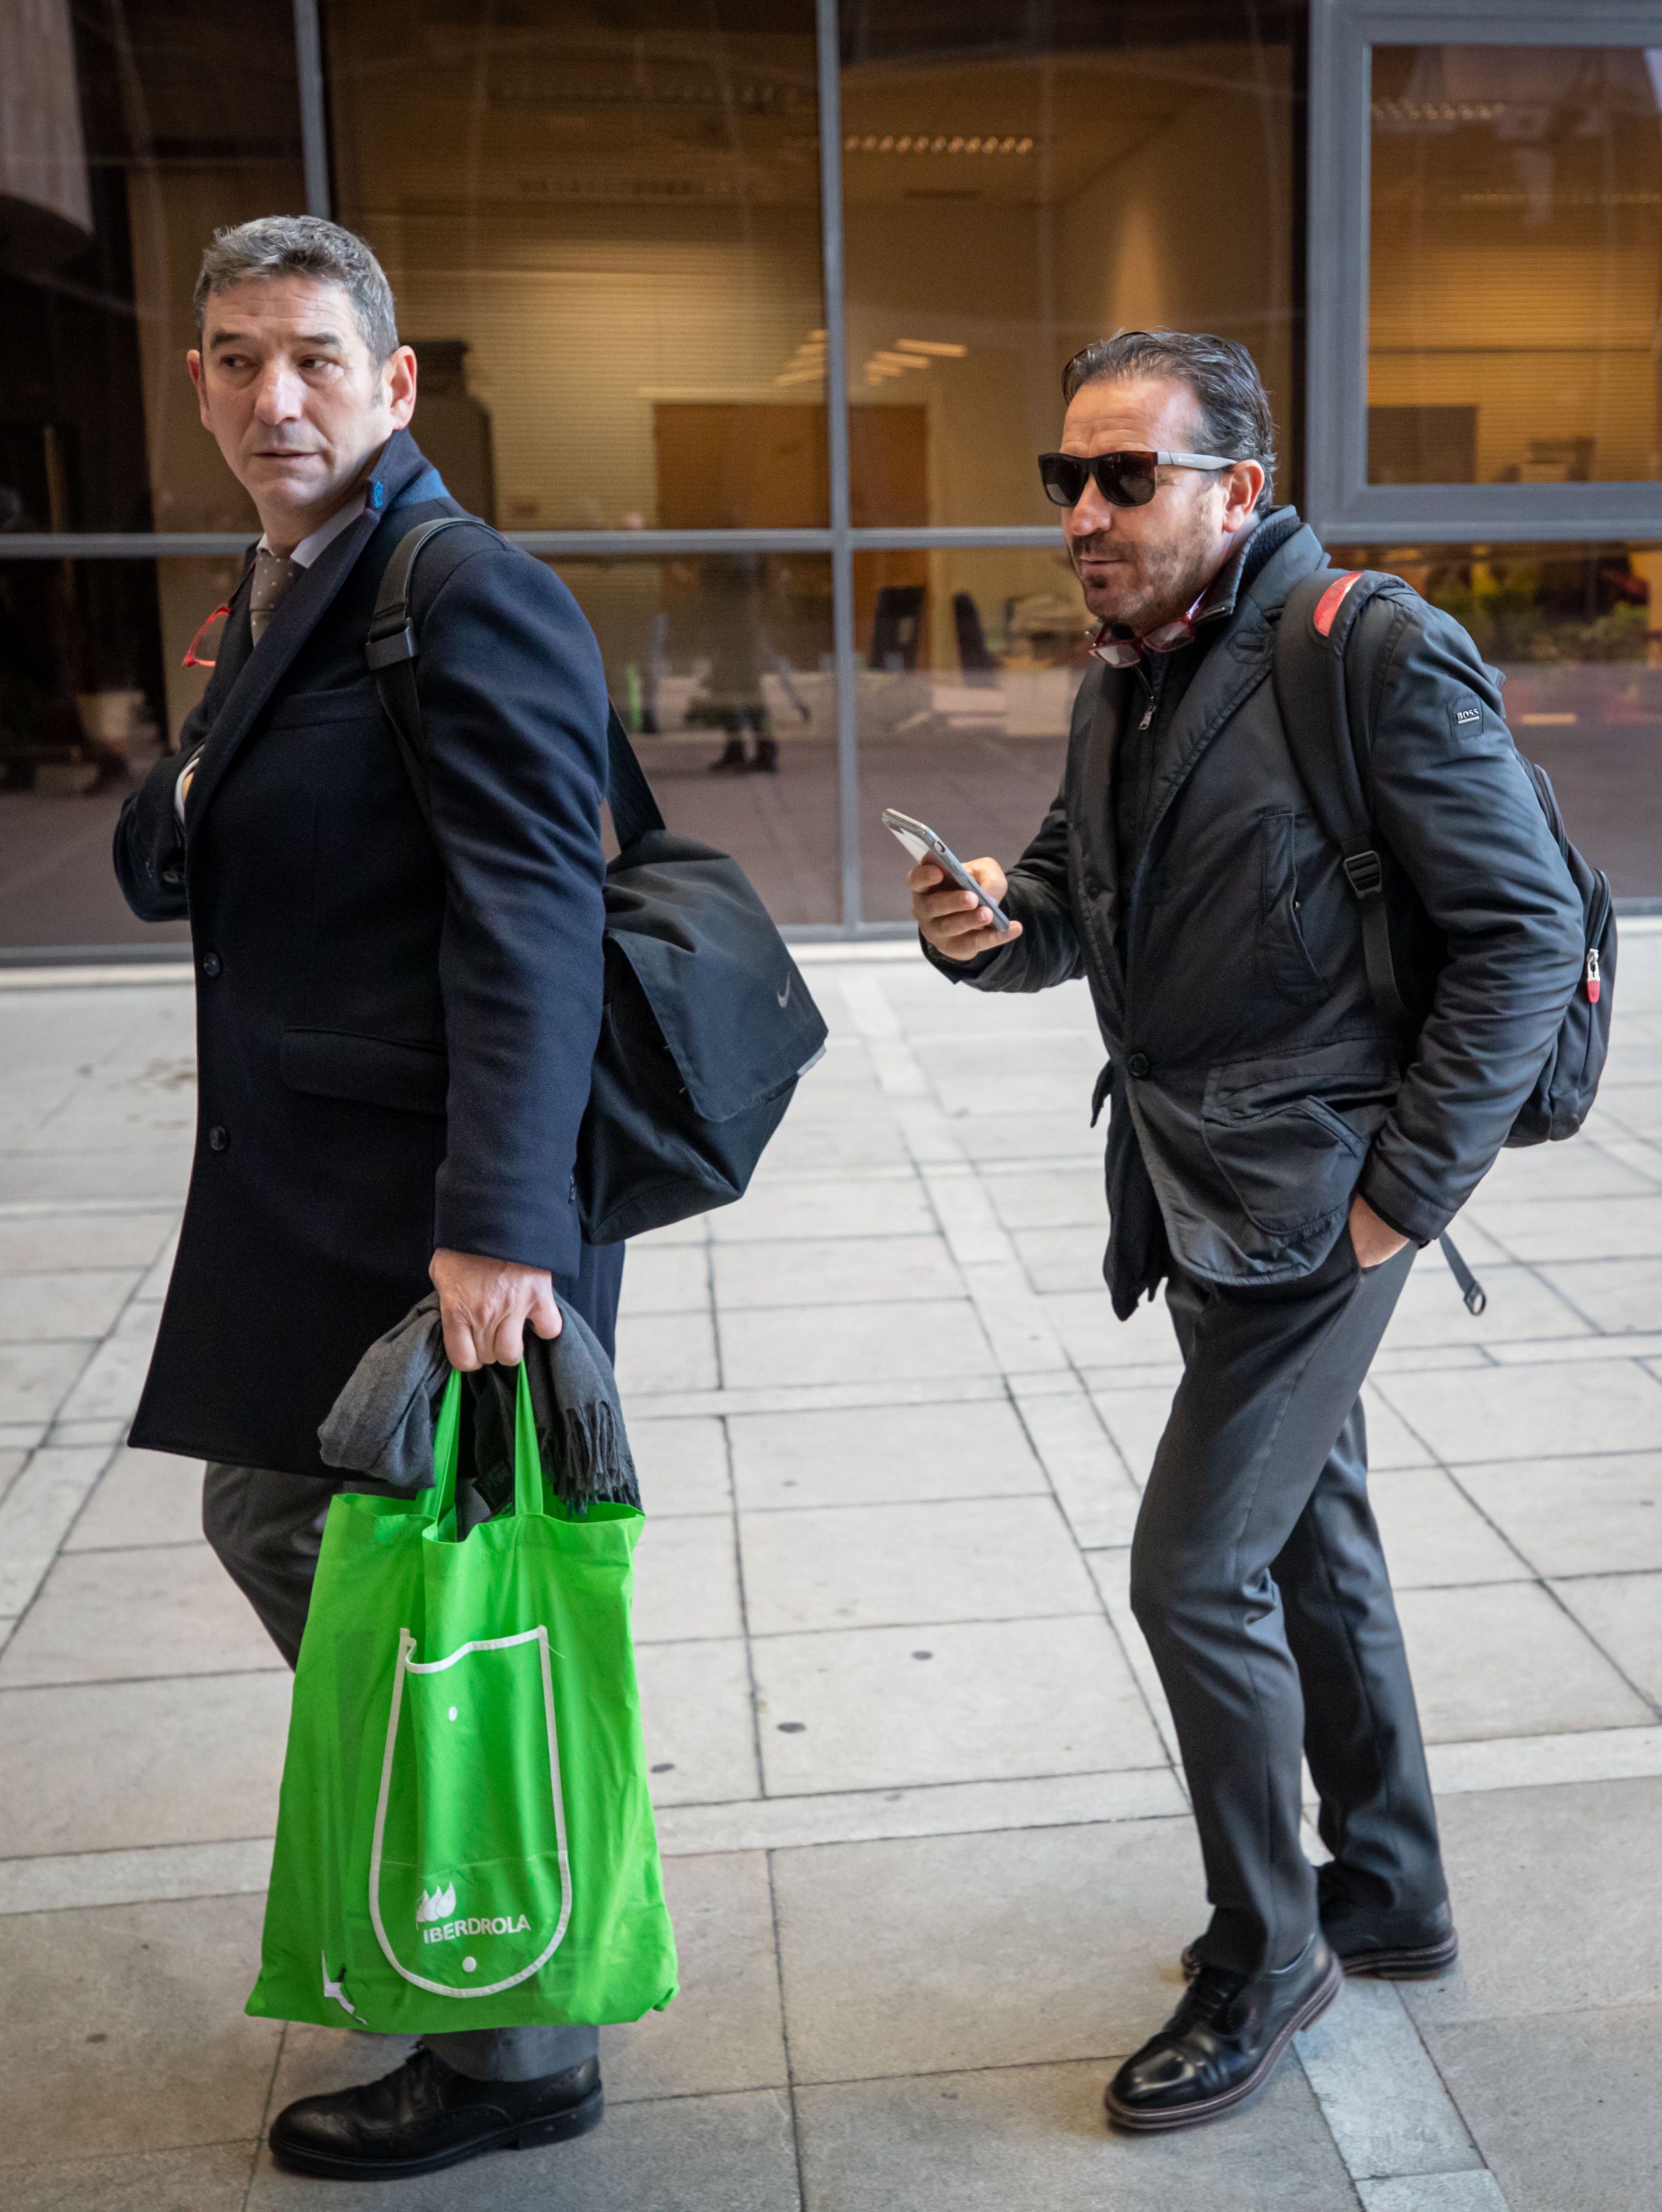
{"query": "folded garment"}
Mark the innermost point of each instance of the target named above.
(382, 1423)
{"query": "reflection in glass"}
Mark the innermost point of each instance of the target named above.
(1017, 181)
(91, 693)
(722, 669)
(1515, 264)
(608, 225)
(964, 702)
(1577, 630)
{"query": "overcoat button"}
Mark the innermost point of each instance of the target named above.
(211, 963)
(1138, 1064)
(218, 1137)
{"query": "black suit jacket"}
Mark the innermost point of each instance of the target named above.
(393, 1041)
(1249, 1071)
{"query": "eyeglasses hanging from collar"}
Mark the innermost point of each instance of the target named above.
(192, 657)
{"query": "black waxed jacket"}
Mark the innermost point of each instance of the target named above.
(1247, 1062)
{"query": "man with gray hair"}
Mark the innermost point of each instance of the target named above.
(396, 1017)
(1276, 1151)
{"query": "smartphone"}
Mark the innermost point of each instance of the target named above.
(920, 842)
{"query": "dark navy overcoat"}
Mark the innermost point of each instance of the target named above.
(394, 1027)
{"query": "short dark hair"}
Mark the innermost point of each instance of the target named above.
(1229, 395)
(302, 245)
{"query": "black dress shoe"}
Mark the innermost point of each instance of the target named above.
(427, 2116)
(1222, 2042)
(1367, 1940)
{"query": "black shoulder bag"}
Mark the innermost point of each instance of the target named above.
(708, 1024)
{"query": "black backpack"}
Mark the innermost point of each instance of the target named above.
(708, 1024)
(1321, 613)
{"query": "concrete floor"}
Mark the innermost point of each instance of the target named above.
(926, 1846)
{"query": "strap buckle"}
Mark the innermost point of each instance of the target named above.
(1365, 872)
(396, 641)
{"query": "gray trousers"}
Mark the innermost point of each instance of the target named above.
(1258, 1577)
(268, 1530)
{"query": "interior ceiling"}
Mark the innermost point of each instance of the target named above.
(607, 116)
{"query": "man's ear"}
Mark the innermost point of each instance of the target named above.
(400, 386)
(193, 362)
(1241, 487)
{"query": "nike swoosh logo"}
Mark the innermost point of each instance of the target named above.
(783, 996)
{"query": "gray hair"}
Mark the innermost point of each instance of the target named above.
(1233, 405)
(302, 245)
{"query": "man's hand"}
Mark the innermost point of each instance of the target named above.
(1375, 1240)
(484, 1305)
(955, 922)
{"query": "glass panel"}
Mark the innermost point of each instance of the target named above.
(973, 659)
(1578, 631)
(603, 230)
(1019, 181)
(91, 691)
(140, 127)
(1515, 265)
(722, 668)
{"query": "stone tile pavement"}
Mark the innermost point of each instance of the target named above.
(927, 1848)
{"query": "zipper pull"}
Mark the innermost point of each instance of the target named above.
(1147, 717)
(1590, 976)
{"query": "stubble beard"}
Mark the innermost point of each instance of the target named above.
(1151, 584)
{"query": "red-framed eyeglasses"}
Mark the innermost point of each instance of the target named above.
(192, 657)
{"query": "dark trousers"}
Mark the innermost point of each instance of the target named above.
(267, 1529)
(1257, 1578)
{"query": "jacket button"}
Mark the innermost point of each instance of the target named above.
(218, 1137)
(1138, 1065)
(211, 963)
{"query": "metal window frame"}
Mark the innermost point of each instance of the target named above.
(839, 539)
(1340, 503)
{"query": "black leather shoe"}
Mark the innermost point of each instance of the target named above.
(1222, 2042)
(1392, 1947)
(427, 2116)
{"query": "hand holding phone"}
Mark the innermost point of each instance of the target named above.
(956, 903)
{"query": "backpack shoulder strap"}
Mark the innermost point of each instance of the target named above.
(391, 649)
(1312, 692)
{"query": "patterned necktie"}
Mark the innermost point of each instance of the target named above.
(273, 574)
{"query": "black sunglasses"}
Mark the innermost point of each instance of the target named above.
(1123, 479)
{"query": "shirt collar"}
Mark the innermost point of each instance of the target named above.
(326, 533)
(1214, 603)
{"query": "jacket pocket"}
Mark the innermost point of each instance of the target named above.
(1286, 968)
(411, 1079)
(1289, 1134)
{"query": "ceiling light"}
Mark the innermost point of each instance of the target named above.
(937, 347)
(899, 361)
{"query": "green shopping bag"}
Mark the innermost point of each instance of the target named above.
(465, 1837)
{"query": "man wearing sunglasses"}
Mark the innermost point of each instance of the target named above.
(1275, 1154)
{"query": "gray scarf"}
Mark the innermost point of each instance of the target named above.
(382, 1424)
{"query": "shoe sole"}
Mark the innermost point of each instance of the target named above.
(1142, 2121)
(1426, 1964)
(556, 2127)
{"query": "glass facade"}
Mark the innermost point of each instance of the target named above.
(643, 255)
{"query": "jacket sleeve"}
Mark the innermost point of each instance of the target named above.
(513, 705)
(149, 843)
(1454, 802)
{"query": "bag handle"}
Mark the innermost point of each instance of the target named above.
(446, 1452)
(392, 648)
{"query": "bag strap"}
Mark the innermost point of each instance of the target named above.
(392, 648)
(1321, 613)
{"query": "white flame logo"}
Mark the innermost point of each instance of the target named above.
(438, 1906)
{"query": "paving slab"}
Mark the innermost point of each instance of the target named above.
(666, 1279)
(65, 1303)
(107, 1765)
(142, 1497)
(682, 1465)
(160, 1609)
(659, 1352)
(860, 1710)
(1035, 2135)
(1432, 1534)
(1011, 1948)
(835, 1271)
(696, 1717)
(930, 1339)
(790, 1208)
(1566, 2106)
(970, 1559)
(1623, 1615)
(123, 2031)
(1502, 1659)
(1596, 1406)
(1599, 1513)
(686, 1580)
(1545, 1884)
(877, 1456)
(212, 2179)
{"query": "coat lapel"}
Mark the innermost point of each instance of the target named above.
(309, 599)
(1096, 788)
